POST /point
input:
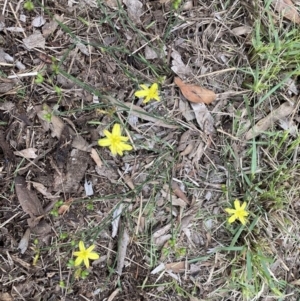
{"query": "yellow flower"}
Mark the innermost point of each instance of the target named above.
(115, 141)
(85, 254)
(238, 212)
(148, 93)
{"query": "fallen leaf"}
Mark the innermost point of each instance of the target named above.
(6, 297)
(186, 110)
(282, 111)
(176, 267)
(134, 9)
(287, 9)
(178, 66)
(23, 244)
(50, 27)
(204, 118)
(38, 21)
(158, 269)
(65, 206)
(195, 93)
(43, 190)
(27, 153)
(122, 249)
(116, 218)
(96, 157)
(28, 198)
(179, 193)
(7, 106)
(111, 3)
(241, 30)
(32, 206)
(35, 40)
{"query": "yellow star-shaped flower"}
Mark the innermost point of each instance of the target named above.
(148, 93)
(115, 141)
(84, 255)
(238, 212)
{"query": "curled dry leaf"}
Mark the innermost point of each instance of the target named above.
(195, 93)
(287, 9)
(282, 111)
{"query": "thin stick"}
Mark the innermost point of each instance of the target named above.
(18, 22)
(217, 72)
(4, 7)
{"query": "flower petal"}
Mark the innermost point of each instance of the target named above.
(104, 142)
(113, 150)
(147, 99)
(107, 133)
(144, 87)
(141, 93)
(244, 205)
(126, 146)
(237, 205)
(232, 219)
(116, 131)
(81, 246)
(242, 220)
(90, 248)
(230, 211)
(86, 262)
(78, 261)
(123, 138)
(154, 88)
(93, 255)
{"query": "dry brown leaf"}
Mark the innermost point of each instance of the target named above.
(195, 93)
(241, 30)
(96, 158)
(287, 9)
(204, 118)
(178, 66)
(43, 190)
(28, 199)
(65, 206)
(35, 40)
(23, 244)
(134, 9)
(122, 249)
(6, 297)
(179, 193)
(176, 267)
(28, 153)
(282, 111)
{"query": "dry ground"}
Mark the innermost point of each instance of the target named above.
(69, 70)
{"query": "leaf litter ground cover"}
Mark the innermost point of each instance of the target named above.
(149, 150)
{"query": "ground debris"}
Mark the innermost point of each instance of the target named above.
(282, 111)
